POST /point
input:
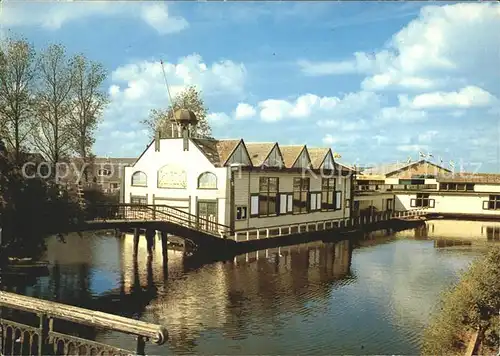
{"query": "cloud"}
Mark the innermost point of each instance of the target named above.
(470, 96)
(444, 45)
(138, 87)
(412, 148)
(244, 111)
(427, 136)
(53, 16)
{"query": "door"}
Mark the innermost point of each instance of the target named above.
(207, 215)
(390, 204)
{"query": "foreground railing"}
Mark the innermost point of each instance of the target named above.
(27, 327)
(157, 212)
(321, 225)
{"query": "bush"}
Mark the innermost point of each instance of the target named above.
(473, 304)
(31, 209)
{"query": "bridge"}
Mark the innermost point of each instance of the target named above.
(217, 240)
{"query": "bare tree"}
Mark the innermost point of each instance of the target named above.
(162, 120)
(17, 74)
(53, 105)
(89, 102)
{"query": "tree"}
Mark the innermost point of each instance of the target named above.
(89, 102)
(17, 75)
(162, 120)
(53, 105)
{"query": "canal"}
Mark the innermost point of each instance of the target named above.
(372, 296)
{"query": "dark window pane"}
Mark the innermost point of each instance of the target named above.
(273, 184)
(272, 204)
(263, 184)
(296, 183)
(296, 202)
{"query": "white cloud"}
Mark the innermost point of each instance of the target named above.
(344, 126)
(137, 88)
(412, 148)
(218, 118)
(427, 136)
(244, 111)
(445, 44)
(329, 139)
(53, 16)
(467, 97)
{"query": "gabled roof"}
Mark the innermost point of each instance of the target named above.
(290, 154)
(216, 151)
(389, 169)
(318, 155)
(259, 151)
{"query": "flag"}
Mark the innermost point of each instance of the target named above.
(408, 160)
(430, 155)
(452, 164)
(421, 154)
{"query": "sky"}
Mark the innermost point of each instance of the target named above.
(378, 82)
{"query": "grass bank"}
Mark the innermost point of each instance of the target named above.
(473, 304)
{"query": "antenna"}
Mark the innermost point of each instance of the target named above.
(166, 82)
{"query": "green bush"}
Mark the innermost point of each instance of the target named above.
(473, 304)
(31, 209)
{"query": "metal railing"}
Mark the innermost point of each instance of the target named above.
(393, 187)
(321, 225)
(33, 330)
(157, 212)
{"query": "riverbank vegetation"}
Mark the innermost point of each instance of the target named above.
(473, 305)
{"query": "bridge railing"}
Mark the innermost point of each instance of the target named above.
(157, 212)
(28, 327)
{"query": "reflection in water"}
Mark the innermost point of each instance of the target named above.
(317, 298)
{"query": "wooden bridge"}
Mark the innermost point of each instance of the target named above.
(210, 237)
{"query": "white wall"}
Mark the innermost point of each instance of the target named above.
(193, 162)
(451, 204)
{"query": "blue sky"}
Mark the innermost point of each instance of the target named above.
(377, 82)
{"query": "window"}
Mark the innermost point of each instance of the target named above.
(315, 202)
(422, 201)
(207, 180)
(113, 185)
(241, 213)
(390, 204)
(254, 205)
(327, 191)
(493, 203)
(139, 200)
(300, 193)
(457, 187)
(104, 172)
(338, 200)
(493, 233)
(285, 204)
(268, 196)
(139, 179)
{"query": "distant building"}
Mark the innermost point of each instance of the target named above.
(424, 184)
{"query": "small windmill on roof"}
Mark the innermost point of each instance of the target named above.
(184, 118)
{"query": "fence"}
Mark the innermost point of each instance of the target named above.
(27, 327)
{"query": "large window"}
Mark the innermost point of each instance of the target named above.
(300, 193)
(493, 203)
(327, 194)
(457, 187)
(268, 194)
(139, 179)
(207, 180)
(422, 201)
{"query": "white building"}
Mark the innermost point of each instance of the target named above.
(273, 185)
(423, 184)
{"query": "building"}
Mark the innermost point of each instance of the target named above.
(241, 185)
(102, 173)
(424, 184)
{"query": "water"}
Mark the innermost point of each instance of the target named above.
(371, 297)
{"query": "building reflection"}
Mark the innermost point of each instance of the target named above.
(231, 296)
